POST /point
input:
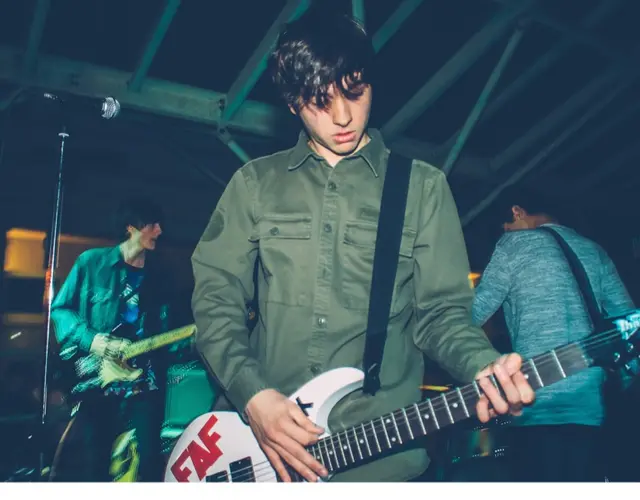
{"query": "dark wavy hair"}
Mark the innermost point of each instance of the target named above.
(318, 50)
(136, 212)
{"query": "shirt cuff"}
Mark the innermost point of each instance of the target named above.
(246, 384)
(85, 336)
(480, 361)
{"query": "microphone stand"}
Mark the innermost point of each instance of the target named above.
(54, 247)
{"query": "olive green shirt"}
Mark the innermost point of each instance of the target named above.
(313, 228)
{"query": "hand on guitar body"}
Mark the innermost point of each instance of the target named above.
(283, 430)
(110, 350)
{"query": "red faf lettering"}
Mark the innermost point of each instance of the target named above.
(202, 458)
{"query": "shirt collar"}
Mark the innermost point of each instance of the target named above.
(114, 256)
(372, 153)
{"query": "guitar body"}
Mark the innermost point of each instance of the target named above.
(219, 446)
(91, 373)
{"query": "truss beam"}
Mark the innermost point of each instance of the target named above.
(257, 63)
(455, 67)
(155, 40)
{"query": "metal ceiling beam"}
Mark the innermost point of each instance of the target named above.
(577, 34)
(480, 104)
(542, 154)
(609, 167)
(554, 119)
(257, 63)
(35, 35)
(189, 103)
(541, 65)
(157, 35)
(357, 8)
(157, 96)
(589, 139)
(393, 23)
(453, 69)
(228, 140)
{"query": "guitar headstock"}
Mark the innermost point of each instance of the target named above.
(629, 329)
(617, 344)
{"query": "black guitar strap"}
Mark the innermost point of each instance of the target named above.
(385, 265)
(596, 315)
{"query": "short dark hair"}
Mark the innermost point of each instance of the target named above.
(317, 50)
(136, 212)
(534, 203)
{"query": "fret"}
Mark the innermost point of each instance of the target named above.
(433, 414)
(333, 453)
(346, 437)
(344, 457)
(457, 410)
(477, 388)
(555, 357)
(375, 435)
(328, 464)
(355, 434)
(446, 406)
(316, 453)
(406, 419)
(384, 429)
(462, 402)
(395, 425)
(535, 371)
(366, 441)
(419, 415)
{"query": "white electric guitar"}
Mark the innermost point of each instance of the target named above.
(220, 447)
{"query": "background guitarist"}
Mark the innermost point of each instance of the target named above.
(108, 287)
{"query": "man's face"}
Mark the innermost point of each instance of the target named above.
(337, 131)
(147, 236)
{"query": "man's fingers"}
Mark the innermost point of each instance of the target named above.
(527, 394)
(492, 394)
(277, 464)
(303, 421)
(508, 387)
(299, 465)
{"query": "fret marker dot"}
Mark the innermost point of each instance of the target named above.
(388, 421)
(361, 441)
(455, 405)
(526, 376)
(330, 452)
(426, 417)
(344, 447)
(393, 439)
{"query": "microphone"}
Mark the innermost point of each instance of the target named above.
(109, 106)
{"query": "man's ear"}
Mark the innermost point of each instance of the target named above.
(518, 212)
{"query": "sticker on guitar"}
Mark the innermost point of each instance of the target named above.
(202, 456)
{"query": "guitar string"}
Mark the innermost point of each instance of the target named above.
(264, 468)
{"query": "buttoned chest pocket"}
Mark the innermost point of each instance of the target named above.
(357, 249)
(285, 255)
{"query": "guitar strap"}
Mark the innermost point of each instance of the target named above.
(385, 264)
(595, 313)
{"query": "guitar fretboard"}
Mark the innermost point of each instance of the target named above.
(391, 432)
(146, 345)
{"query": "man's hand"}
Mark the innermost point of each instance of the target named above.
(106, 346)
(283, 430)
(515, 387)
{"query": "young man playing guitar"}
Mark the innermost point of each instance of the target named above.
(309, 216)
(107, 288)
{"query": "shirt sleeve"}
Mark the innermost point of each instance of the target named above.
(493, 289)
(223, 264)
(614, 297)
(72, 331)
(443, 295)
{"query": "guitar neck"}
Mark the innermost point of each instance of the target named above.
(158, 341)
(393, 431)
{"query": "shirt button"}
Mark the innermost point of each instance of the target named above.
(274, 231)
(332, 186)
(327, 228)
(322, 321)
(315, 369)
